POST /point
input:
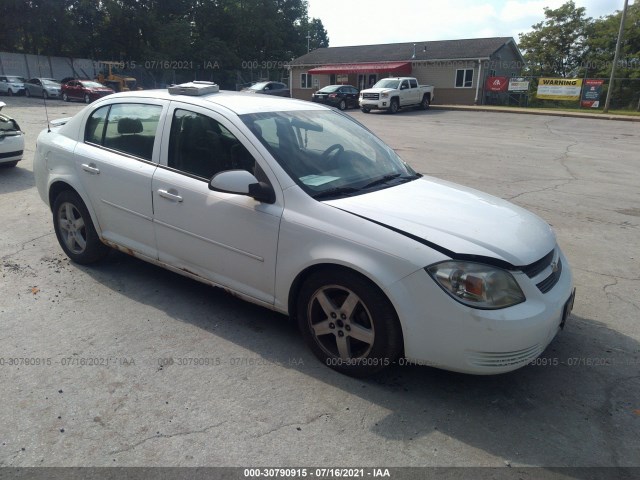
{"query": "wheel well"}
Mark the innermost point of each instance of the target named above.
(294, 291)
(56, 189)
(428, 95)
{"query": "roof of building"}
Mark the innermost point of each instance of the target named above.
(470, 48)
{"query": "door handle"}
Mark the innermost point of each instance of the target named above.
(91, 168)
(169, 195)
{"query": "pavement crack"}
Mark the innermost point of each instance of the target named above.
(24, 245)
(292, 424)
(178, 434)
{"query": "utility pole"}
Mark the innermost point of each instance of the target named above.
(309, 39)
(615, 58)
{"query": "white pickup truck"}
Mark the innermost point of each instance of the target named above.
(395, 93)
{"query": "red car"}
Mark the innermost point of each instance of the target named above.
(84, 90)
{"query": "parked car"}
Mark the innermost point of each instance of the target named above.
(341, 96)
(86, 91)
(11, 85)
(11, 140)
(297, 207)
(43, 87)
(269, 88)
(392, 94)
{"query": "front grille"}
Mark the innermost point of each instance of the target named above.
(538, 267)
(11, 154)
(504, 359)
(548, 283)
(371, 96)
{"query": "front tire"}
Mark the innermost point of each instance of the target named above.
(394, 107)
(342, 105)
(75, 231)
(65, 97)
(45, 95)
(87, 99)
(365, 109)
(9, 164)
(348, 322)
(10, 93)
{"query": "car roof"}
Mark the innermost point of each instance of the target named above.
(238, 102)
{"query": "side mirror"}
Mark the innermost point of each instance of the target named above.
(241, 182)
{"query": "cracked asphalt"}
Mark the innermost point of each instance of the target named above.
(125, 364)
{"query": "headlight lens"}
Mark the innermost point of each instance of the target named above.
(384, 95)
(477, 285)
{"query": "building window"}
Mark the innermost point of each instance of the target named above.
(305, 80)
(464, 78)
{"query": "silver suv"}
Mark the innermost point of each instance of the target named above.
(11, 85)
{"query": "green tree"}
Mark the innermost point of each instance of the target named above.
(556, 46)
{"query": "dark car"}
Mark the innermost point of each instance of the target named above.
(269, 88)
(84, 90)
(341, 96)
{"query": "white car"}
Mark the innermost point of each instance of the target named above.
(11, 141)
(296, 207)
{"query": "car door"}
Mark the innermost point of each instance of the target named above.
(228, 239)
(32, 86)
(71, 89)
(116, 163)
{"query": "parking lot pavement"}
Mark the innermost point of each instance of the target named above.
(125, 364)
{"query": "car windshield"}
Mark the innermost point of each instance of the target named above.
(51, 83)
(387, 83)
(258, 86)
(327, 153)
(329, 89)
(92, 85)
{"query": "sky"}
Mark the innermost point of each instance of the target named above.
(369, 22)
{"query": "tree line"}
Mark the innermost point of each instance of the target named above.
(225, 35)
(567, 43)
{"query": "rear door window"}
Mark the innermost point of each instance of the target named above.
(129, 128)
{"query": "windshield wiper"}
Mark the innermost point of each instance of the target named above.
(387, 178)
(335, 192)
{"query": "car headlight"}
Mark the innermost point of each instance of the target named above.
(384, 95)
(477, 285)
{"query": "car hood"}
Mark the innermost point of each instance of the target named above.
(455, 219)
(378, 90)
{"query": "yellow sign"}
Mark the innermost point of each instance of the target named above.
(559, 88)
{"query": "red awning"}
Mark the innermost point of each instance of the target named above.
(401, 68)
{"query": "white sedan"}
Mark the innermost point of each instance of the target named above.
(297, 207)
(11, 140)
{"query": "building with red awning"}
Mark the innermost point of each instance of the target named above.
(458, 69)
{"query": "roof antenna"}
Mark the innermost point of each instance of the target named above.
(44, 95)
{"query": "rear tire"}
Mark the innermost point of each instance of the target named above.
(75, 231)
(343, 104)
(348, 322)
(87, 99)
(65, 97)
(10, 93)
(27, 93)
(365, 109)
(425, 104)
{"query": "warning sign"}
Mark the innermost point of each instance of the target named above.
(559, 88)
